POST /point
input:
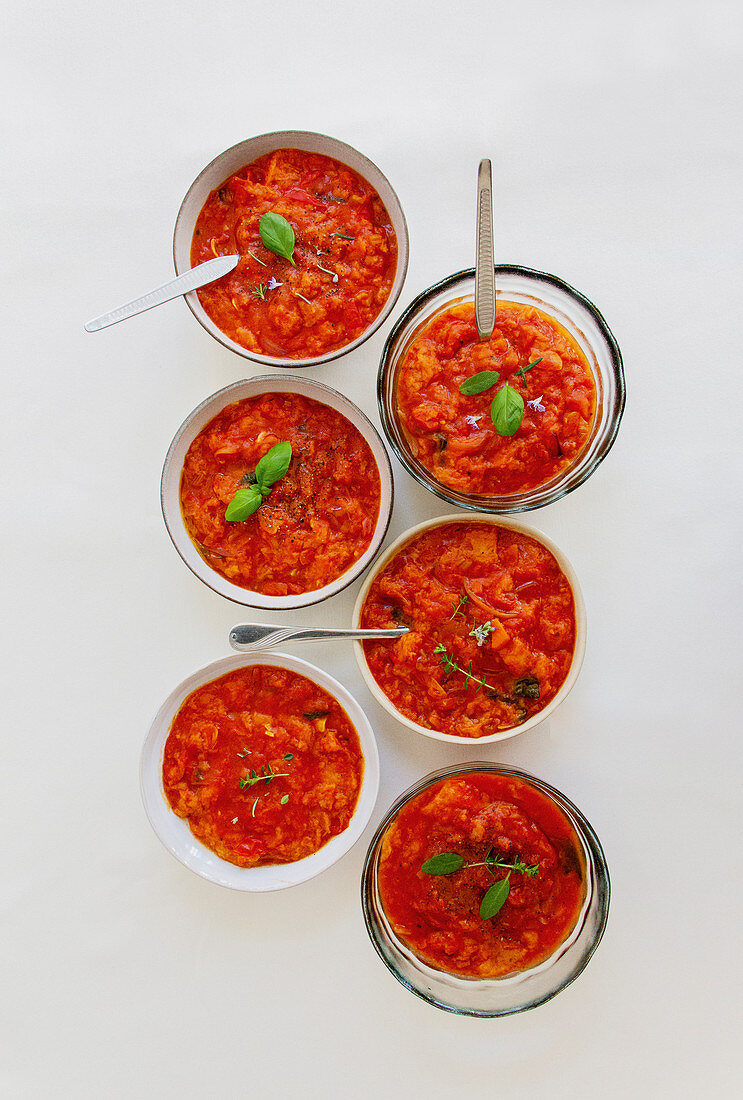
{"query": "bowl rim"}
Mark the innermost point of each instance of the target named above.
(397, 216)
(268, 877)
(507, 504)
(176, 528)
(579, 648)
(594, 849)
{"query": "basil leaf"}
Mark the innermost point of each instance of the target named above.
(277, 235)
(243, 504)
(478, 383)
(445, 863)
(507, 410)
(493, 901)
(272, 466)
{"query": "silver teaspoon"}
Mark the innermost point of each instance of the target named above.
(190, 280)
(249, 637)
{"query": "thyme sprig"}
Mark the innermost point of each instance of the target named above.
(522, 370)
(260, 291)
(446, 863)
(266, 774)
(450, 665)
(459, 607)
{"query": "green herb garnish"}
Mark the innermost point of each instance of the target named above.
(527, 686)
(277, 235)
(298, 295)
(450, 665)
(327, 272)
(345, 236)
(260, 291)
(522, 370)
(269, 470)
(459, 607)
(284, 800)
(507, 410)
(446, 863)
(257, 259)
(478, 383)
(265, 775)
(311, 715)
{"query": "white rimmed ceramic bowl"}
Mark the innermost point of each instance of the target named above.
(229, 162)
(175, 833)
(173, 466)
(580, 626)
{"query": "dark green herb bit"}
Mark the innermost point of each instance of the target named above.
(507, 410)
(528, 686)
(277, 235)
(441, 440)
(445, 863)
(289, 756)
(522, 370)
(260, 291)
(478, 383)
(312, 715)
(495, 898)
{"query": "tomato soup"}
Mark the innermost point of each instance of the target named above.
(345, 255)
(501, 828)
(492, 628)
(264, 765)
(452, 434)
(319, 518)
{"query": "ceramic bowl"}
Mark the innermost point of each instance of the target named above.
(171, 480)
(580, 627)
(175, 833)
(229, 162)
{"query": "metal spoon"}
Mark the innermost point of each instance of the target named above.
(484, 254)
(190, 280)
(249, 637)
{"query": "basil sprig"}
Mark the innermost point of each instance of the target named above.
(446, 863)
(478, 383)
(507, 410)
(271, 467)
(277, 235)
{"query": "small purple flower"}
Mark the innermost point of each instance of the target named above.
(473, 421)
(535, 404)
(273, 283)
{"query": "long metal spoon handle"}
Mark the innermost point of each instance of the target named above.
(245, 636)
(190, 280)
(484, 254)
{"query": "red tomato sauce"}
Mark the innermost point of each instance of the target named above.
(453, 436)
(438, 916)
(340, 224)
(264, 765)
(319, 518)
(446, 584)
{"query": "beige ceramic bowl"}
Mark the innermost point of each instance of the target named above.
(580, 627)
(229, 162)
(173, 467)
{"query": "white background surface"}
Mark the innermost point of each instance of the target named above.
(615, 130)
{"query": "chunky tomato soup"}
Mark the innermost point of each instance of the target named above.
(452, 434)
(318, 519)
(502, 827)
(345, 255)
(492, 628)
(264, 765)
